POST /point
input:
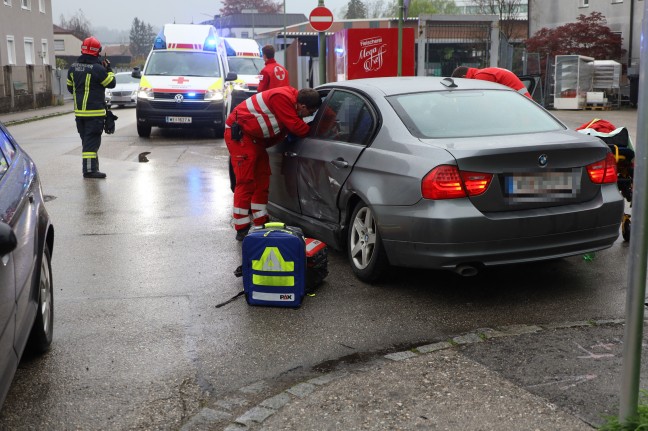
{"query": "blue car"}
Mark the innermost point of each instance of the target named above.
(26, 245)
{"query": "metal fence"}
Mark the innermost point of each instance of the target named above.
(445, 45)
(25, 87)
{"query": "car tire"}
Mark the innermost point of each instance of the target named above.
(40, 337)
(143, 131)
(364, 245)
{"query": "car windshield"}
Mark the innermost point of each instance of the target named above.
(125, 78)
(176, 63)
(470, 113)
(245, 65)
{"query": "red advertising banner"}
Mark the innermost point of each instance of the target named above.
(372, 53)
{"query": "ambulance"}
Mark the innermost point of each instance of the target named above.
(244, 58)
(183, 83)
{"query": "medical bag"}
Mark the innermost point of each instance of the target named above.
(316, 263)
(274, 265)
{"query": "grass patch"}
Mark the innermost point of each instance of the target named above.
(612, 423)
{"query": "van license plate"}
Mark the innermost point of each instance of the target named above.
(183, 120)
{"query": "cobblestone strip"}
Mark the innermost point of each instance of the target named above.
(256, 415)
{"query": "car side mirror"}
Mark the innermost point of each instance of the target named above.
(8, 241)
(136, 73)
(231, 76)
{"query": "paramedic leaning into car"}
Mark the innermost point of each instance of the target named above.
(264, 120)
(273, 75)
(493, 74)
(87, 80)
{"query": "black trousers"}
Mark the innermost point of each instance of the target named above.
(90, 130)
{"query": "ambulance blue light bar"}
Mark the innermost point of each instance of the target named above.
(160, 41)
(210, 44)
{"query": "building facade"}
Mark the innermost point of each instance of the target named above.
(623, 17)
(26, 54)
(66, 44)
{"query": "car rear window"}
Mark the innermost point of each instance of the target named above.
(470, 113)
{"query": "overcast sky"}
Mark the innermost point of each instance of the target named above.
(119, 14)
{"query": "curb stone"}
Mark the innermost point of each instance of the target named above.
(256, 415)
(36, 118)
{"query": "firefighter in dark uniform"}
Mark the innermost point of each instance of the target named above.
(87, 80)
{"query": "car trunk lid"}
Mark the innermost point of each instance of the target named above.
(548, 170)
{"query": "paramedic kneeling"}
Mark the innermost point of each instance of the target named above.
(257, 123)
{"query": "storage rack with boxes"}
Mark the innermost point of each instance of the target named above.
(573, 79)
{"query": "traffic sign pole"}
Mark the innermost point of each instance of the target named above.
(321, 20)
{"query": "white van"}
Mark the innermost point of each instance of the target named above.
(183, 81)
(245, 59)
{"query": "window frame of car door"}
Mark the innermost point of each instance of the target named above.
(373, 112)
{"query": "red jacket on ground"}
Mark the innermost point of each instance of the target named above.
(268, 115)
(500, 76)
(273, 75)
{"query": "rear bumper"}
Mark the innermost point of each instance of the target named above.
(423, 236)
(202, 114)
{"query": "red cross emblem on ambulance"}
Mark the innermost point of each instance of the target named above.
(280, 73)
(180, 80)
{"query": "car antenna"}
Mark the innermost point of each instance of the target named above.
(448, 82)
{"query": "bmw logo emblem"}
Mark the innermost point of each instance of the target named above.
(543, 160)
(179, 98)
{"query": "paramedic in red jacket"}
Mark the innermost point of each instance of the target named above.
(493, 74)
(273, 75)
(264, 118)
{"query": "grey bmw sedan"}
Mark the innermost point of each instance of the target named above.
(444, 173)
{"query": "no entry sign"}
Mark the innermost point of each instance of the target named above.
(321, 18)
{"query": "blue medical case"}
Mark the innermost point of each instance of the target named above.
(274, 265)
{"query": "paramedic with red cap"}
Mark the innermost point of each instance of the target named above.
(255, 124)
(493, 74)
(87, 80)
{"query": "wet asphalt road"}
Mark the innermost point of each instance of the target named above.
(142, 259)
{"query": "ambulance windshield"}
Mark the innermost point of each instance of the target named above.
(183, 63)
(245, 65)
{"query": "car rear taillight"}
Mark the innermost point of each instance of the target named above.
(447, 182)
(603, 171)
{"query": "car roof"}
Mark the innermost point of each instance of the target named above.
(413, 84)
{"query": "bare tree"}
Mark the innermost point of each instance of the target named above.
(78, 24)
(376, 9)
(508, 11)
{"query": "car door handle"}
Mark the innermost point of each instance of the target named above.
(31, 198)
(340, 163)
(289, 154)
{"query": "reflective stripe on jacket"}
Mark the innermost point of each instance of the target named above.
(269, 114)
(87, 80)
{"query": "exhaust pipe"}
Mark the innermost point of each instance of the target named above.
(466, 270)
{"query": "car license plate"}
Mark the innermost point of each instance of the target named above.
(545, 183)
(183, 120)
